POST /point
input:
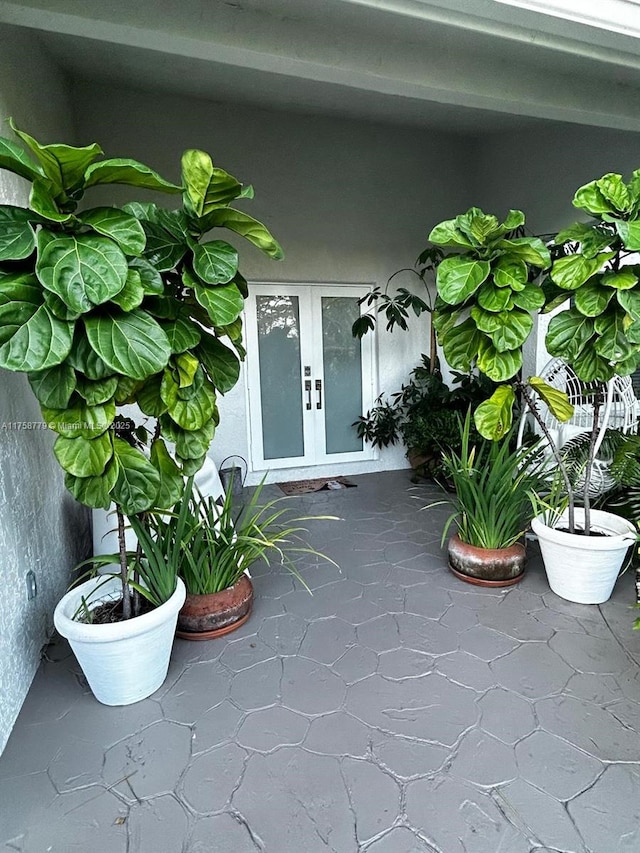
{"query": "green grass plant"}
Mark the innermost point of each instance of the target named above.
(209, 545)
(495, 488)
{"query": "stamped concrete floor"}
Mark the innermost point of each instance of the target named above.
(397, 710)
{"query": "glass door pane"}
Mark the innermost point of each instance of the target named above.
(342, 386)
(280, 383)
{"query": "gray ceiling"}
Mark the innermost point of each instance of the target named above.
(461, 65)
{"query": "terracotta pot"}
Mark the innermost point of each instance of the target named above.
(204, 617)
(486, 566)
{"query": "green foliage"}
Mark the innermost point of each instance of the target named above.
(597, 337)
(494, 486)
(108, 306)
(486, 291)
(423, 415)
(209, 545)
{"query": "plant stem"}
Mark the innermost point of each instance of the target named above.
(597, 402)
(124, 567)
(532, 403)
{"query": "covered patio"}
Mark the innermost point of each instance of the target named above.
(396, 710)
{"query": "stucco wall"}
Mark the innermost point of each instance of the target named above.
(349, 201)
(41, 527)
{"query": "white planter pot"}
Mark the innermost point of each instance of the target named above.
(123, 662)
(584, 569)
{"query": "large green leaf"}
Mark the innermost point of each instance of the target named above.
(43, 203)
(615, 191)
(86, 360)
(190, 444)
(83, 271)
(568, 334)
(215, 262)
(190, 467)
(149, 398)
(171, 480)
(195, 408)
(572, 271)
(458, 277)
(94, 492)
(530, 298)
(498, 366)
(121, 227)
(592, 298)
(510, 272)
(79, 420)
(181, 333)
(206, 187)
(220, 362)
(138, 481)
(556, 400)
(31, 337)
(460, 345)
(17, 237)
(591, 198)
(84, 457)
(613, 343)
(529, 249)
(163, 250)
(479, 226)
(632, 330)
(59, 308)
(133, 344)
(132, 294)
(590, 367)
(629, 233)
(96, 392)
(630, 301)
(15, 159)
(122, 171)
(448, 235)
(53, 387)
(150, 278)
(493, 417)
(64, 165)
(591, 238)
(249, 228)
(493, 298)
(624, 279)
(508, 330)
(223, 304)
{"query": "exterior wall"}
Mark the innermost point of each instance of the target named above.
(538, 171)
(351, 202)
(41, 527)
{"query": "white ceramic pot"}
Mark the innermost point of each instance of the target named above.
(123, 662)
(584, 569)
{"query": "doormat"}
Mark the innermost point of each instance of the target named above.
(303, 487)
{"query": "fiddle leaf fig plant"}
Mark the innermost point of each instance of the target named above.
(104, 307)
(488, 293)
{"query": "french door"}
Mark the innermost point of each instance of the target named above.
(308, 377)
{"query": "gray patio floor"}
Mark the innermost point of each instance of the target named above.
(397, 710)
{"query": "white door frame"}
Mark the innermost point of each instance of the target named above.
(310, 354)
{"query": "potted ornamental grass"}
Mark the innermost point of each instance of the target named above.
(212, 545)
(489, 290)
(493, 484)
(106, 307)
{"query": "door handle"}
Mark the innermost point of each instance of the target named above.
(319, 390)
(307, 388)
